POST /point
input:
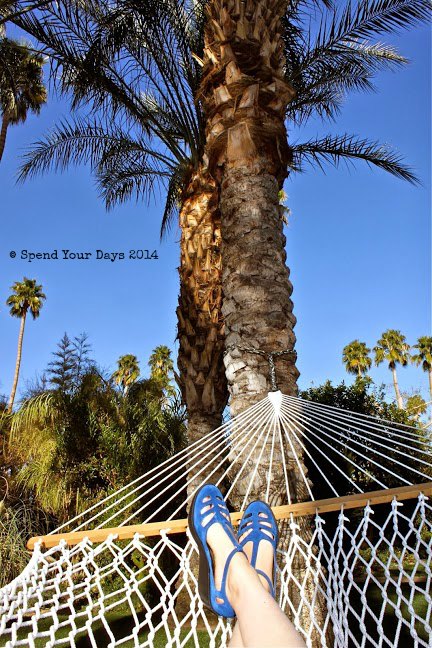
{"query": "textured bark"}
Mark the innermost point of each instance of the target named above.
(430, 382)
(201, 377)
(18, 363)
(399, 399)
(245, 96)
(200, 327)
(3, 133)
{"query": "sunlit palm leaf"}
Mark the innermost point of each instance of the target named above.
(335, 149)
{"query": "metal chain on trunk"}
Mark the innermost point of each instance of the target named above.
(270, 355)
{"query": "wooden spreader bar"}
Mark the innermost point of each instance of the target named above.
(280, 513)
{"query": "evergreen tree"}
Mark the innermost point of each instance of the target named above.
(82, 350)
(62, 370)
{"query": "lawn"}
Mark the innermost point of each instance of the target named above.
(121, 624)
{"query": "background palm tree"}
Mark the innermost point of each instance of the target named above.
(128, 371)
(162, 368)
(355, 357)
(415, 407)
(21, 86)
(27, 296)
(424, 356)
(392, 348)
(104, 55)
(70, 449)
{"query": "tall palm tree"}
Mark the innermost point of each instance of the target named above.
(27, 296)
(108, 54)
(21, 85)
(424, 356)
(127, 372)
(355, 357)
(162, 368)
(393, 348)
(254, 83)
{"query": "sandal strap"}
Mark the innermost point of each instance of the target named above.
(270, 584)
(257, 528)
(222, 592)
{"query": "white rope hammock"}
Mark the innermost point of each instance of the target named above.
(368, 568)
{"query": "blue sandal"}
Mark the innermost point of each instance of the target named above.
(199, 510)
(258, 523)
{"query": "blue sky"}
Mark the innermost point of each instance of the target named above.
(358, 245)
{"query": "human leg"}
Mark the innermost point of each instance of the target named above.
(235, 585)
(260, 621)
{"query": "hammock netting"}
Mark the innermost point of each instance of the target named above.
(348, 574)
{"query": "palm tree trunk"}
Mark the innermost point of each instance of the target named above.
(201, 379)
(430, 382)
(200, 326)
(3, 132)
(245, 96)
(257, 307)
(18, 363)
(399, 399)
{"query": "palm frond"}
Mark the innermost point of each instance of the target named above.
(323, 77)
(133, 178)
(122, 165)
(334, 149)
(85, 141)
(152, 40)
(322, 89)
(104, 64)
(36, 408)
(341, 58)
(368, 18)
(176, 185)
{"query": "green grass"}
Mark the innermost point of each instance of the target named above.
(121, 623)
(390, 620)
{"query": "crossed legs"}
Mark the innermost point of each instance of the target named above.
(260, 621)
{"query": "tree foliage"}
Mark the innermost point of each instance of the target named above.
(392, 348)
(363, 398)
(162, 368)
(355, 357)
(133, 72)
(423, 356)
(76, 442)
(127, 371)
(21, 84)
(27, 296)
